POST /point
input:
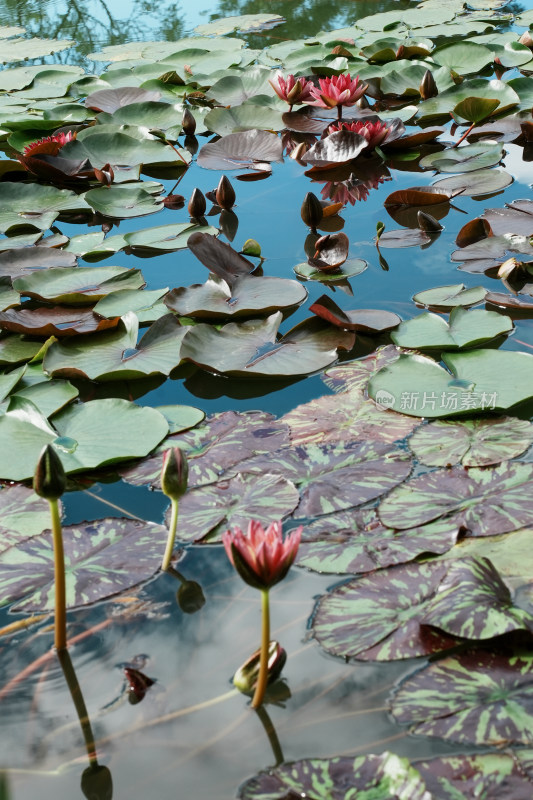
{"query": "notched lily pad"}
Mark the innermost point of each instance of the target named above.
(444, 298)
(243, 150)
(465, 329)
(79, 286)
(57, 321)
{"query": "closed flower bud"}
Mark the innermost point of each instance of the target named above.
(428, 223)
(197, 204)
(190, 597)
(428, 87)
(225, 194)
(245, 679)
(174, 473)
(251, 248)
(311, 210)
(49, 480)
(188, 122)
(96, 783)
(174, 201)
(526, 39)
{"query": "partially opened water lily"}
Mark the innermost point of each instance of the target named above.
(50, 145)
(262, 558)
(374, 132)
(337, 91)
(292, 90)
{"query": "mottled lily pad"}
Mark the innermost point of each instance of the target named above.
(486, 502)
(102, 558)
(483, 698)
(473, 443)
(206, 512)
(489, 775)
(215, 446)
(383, 777)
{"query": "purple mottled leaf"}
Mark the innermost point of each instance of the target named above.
(383, 777)
(102, 558)
(332, 477)
(491, 776)
(206, 512)
(214, 446)
(355, 375)
(484, 502)
(22, 514)
(477, 697)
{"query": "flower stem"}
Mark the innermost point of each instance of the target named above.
(59, 577)
(171, 535)
(262, 679)
(465, 134)
(339, 113)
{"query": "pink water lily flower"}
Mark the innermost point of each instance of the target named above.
(292, 90)
(50, 145)
(374, 132)
(261, 557)
(337, 91)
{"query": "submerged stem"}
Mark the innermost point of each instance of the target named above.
(59, 578)
(262, 679)
(79, 703)
(171, 535)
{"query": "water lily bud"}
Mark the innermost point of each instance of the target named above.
(49, 480)
(197, 204)
(174, 201)
(363, 103)
(428, 87)
(245, 679)
(526, 39)
(97, 783)
(188, 122)
(311, 210)
(428, 223)
(190, 597)
(251, 248)
(105, 176)
(174, 473)
(225, 194)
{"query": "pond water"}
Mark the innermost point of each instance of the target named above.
(192, 736)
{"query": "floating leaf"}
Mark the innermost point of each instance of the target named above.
(248, 116)
(123, 202)
(102, 558)
(247, 149)
(476, 109)
(337, 148)
(418, 196)
(349, 269)
(57, 321)
(520, 302)
(165, 238)
(444, 298)
(335, 476)
(352, 542)
(404, 238)
(24, 260)
(247, 296)
(252, 348)
(206, 512)
(109, 144)
(382, 777)
(116, 355)
(218, 257)
(473, 184)
(465, 329)
(214, 446)
(467, 158)
(111, 99)
(246, 23)
(364, 319)
(486, 502)
(17, 348)
(23, 514)
(472, 443)
(476, 698)
(354, 377)
(477, 87)
(488, 774)
(80, 286)
(34, 205)
(147, 305)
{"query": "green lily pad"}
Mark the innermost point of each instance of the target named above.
(481, 380)
(473, 184)
(466, 328)
(181, 418)
(477, 87)
(79, 286)
(35, 205)
(86, 435)
(463, 57)
(479, 697)
(49, 396)
(123, 202)
(8, 296)
(444, 298)
(247, 296)
(486, 502)
(332, 477)
(354, 542)
(350, 268)
(245, 23)
(384, 616)
(467, 158)
(246, 149)
(22, 49)
(146, 305)
(24, 514)
(102, 558)
(206, 512)
(116, 147)
(384, 777)
(116, 355)
(475, 109)
(165, 238)
(243, 117)
(15, 348)
(472, 443)
(214, 446)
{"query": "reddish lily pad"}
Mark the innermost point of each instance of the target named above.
(110, 100)
(405, 237)
(384, 777)
(214, 446)
(476, 697)
(57, 321)
(518, 302)
(385, 616)
(252, 348)
(337, 148)
(473, 443)
(486, 502)
(246, 149)
(247, 297)
(369, 320)
(354, 377)
(218, 257)
(487, 775)
(331, 252)
(418, 196)
(102, 558)
(206, 512)
(354, 542)
(334, 476)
